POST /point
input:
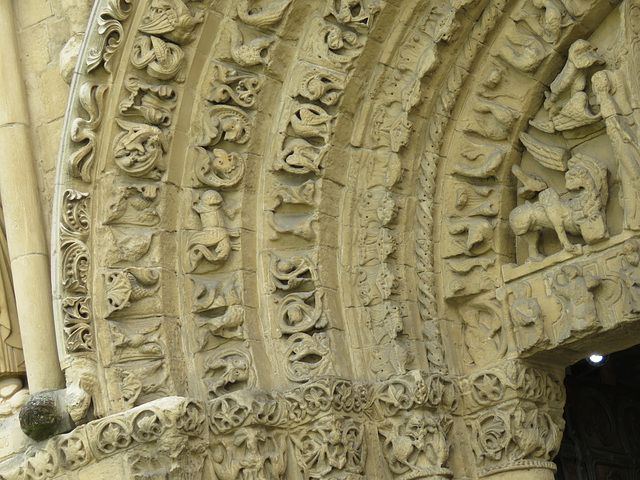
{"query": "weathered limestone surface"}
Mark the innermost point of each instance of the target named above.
(319, 239)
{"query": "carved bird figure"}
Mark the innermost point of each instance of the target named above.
(171, 19)
(575, 113)
(310, 121)
(132, 247)
(554, 158)
(261, 17)
(249, 54)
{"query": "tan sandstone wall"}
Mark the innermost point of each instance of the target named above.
(44, 27)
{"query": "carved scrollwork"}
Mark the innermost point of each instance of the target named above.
(291, 273)
(75, 264)
(301, 312)
(91, 97)
(75, 217)
(319, 84)
(227, 85)
(166, 25)
(515, 434)
(332, 448)
(110, 32)
(77, 324)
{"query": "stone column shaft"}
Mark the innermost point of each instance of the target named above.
(26, 239)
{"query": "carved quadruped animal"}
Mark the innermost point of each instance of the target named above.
(578, 212)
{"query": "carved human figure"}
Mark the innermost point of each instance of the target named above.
(213, 244)
(579, 211)
(526, 315)
(567, 102)
(483, 334)
(575, 291)
(631, 275)
(11, 358)
(624, 140)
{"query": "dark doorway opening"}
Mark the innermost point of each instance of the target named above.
(601, 440)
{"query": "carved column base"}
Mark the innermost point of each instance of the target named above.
(523, 470)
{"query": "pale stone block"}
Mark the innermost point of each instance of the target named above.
(30, 12)
(32, 54)
(107, 469)
(49, 141)
(53, 93)
(59, 33)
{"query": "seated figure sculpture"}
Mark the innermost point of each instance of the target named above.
(579, 211)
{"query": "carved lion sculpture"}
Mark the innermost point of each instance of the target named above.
(579, 211)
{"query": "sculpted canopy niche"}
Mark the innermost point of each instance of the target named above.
(325, 239)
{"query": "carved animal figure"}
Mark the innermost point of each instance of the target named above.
(261, 17)
(228, 371)
(251, 53)
(171, 19)
(580, 211)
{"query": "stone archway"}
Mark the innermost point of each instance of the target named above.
(283, 229)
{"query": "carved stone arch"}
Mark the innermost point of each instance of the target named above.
(298, 218)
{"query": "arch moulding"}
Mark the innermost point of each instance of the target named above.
(322, 239)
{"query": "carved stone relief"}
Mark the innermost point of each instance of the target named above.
(340, 239)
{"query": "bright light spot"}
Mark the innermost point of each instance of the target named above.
(595, 358)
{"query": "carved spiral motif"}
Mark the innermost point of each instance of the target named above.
(493, 435)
